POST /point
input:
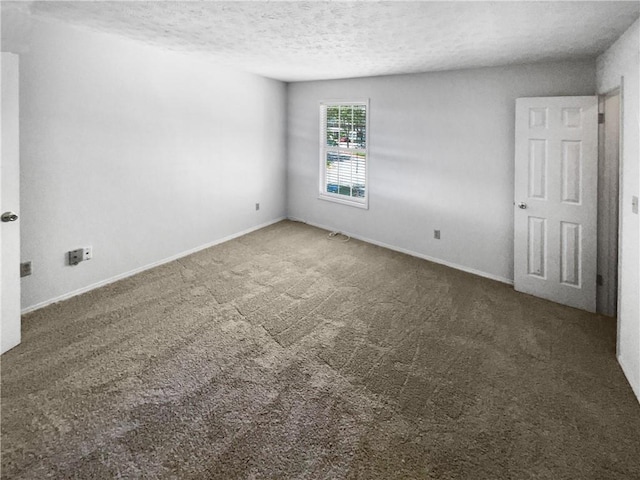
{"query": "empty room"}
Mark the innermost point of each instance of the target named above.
(320, 240)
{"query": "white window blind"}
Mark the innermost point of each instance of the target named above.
(343, 152)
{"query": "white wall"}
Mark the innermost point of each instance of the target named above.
(622, 60)
(139, 152)
(440, 154)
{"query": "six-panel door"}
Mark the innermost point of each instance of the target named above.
(555, 207)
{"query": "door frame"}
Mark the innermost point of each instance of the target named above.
(620, 89)
(609, 237)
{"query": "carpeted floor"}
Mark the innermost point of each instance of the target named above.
(286, 354)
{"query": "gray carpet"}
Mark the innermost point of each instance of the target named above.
(286, 354)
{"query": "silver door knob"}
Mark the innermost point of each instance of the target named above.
(522, 205)
(9, 217)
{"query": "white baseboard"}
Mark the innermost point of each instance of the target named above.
(412, 253)
(627, 373)
(102, 283)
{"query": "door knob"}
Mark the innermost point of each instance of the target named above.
(522, 205)
(9, 217)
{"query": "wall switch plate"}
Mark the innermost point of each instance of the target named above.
(76, 256)
(257, 206)
(634, 204)
(25, 269)
(436, 234)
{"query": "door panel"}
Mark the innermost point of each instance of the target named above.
(9, 201)
(571, 171)
(538, 168)
(537, 247)
(555, 207)
(570, 242)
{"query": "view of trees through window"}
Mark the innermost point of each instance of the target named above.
(346, 126)
(345, 143)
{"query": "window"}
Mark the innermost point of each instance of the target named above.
(343, 153)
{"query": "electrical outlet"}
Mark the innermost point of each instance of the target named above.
(257, 207)
(79, 255)
(634, 204)
(76, 256)
(25, 269)
(436, 234)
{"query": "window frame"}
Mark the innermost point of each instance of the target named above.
(359, 202)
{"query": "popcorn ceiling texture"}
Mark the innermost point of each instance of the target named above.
(294, 41)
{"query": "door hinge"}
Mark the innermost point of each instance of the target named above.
(599, 280)
(600, 118)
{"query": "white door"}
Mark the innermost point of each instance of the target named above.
(9, 204)
(555, 208)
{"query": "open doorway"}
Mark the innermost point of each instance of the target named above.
(608, 202)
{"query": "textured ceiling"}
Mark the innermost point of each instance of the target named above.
(293, 41)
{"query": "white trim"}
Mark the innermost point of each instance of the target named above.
(345, 102)
(343, 199)
(359, 202)
(620, 215)
(627, 373)
(135, 271)
(439, 261)
(344, 150)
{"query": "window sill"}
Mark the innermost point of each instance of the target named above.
(342, 199)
